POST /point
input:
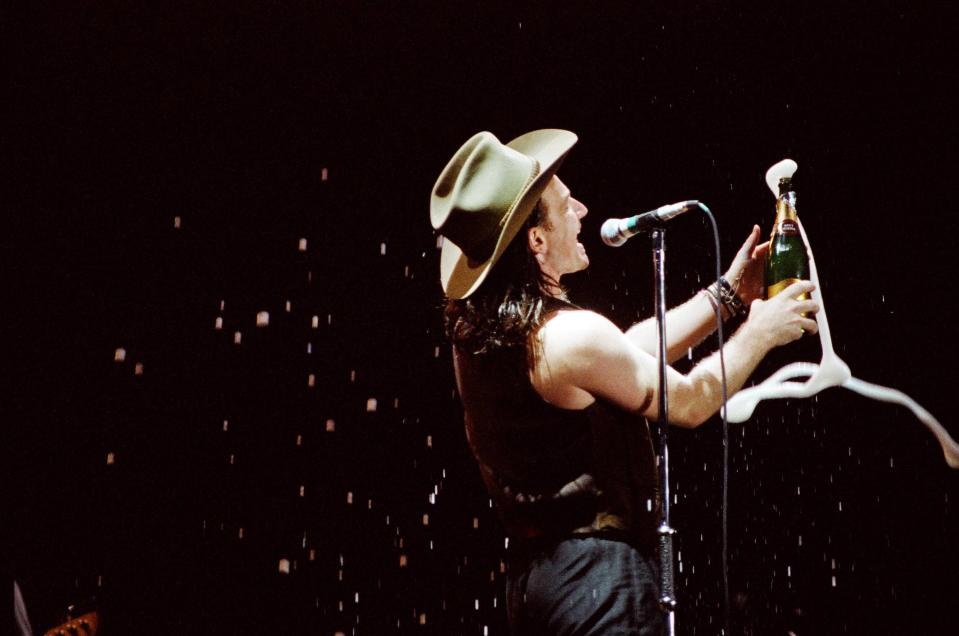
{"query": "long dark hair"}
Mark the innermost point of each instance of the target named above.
(509, 305)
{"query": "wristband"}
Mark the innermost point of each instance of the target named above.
(727, 297)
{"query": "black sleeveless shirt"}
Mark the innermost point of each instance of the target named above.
(553, 472)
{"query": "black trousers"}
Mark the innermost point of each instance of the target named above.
(585, 586)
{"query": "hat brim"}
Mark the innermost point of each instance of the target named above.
(460, 275)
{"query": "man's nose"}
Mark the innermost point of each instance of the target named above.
(579, 208)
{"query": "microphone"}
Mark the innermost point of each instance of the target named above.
(615, 232)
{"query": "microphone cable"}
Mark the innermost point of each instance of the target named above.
(722, 367)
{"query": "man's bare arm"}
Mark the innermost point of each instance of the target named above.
(686, 326)
(584, 357)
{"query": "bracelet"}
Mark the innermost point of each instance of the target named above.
(727, 297)
(712, 296)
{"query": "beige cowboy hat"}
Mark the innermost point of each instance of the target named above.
(483, 197)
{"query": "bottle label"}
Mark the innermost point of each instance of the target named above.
(787, 227)
(772, 290)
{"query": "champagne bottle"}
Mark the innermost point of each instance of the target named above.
(787, 260)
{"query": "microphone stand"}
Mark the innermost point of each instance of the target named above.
(667, 597)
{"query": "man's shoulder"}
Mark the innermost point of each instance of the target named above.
(577, 319)
(584, 355)
(579, 329)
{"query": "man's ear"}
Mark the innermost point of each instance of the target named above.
(536, 239)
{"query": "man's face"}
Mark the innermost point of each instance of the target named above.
(558, 251)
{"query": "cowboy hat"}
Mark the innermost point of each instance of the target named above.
(483, 197)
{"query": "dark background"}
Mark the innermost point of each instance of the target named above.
(843, 515)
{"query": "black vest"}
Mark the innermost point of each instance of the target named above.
(553, 472)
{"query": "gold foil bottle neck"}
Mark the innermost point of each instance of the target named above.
(786, 207)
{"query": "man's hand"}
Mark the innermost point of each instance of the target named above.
(780, 319)
(746, 273)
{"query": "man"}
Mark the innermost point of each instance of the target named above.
(555, 396)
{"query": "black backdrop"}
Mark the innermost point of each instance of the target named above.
(261, 125)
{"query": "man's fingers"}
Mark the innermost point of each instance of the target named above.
(761, 250)
(798, 288)
(747, 247)
(809, 325)
(807, 307)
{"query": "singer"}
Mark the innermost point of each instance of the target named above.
(555, 396)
